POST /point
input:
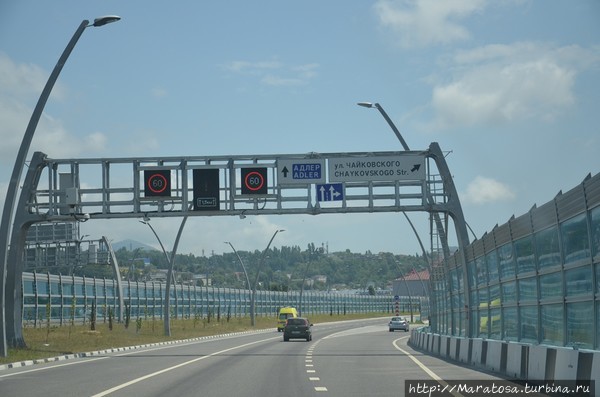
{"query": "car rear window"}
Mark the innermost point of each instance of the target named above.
(296, 321)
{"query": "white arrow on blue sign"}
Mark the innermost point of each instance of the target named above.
(330, 192)
(300, 171)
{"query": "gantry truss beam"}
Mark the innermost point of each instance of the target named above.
(313, 183)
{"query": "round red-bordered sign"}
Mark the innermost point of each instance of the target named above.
(157, 183)
(254, 181)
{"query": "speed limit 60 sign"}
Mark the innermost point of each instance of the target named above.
(157, 183)
(254, 180)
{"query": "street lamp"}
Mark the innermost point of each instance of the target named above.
(146, 221)
(409, 298)
(387, 118)
(241, 263)
(170, 275)
(11, 192)
(311, 252)
(171, 262)
(253, 296)
(405, 146)
(458, 216)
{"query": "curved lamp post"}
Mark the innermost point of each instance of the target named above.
(459, 219)
(13, 185)
(253, 296)
(166, 311)
(310, 254)
(241, 263)
(387, 118)
(146, 221)
(170, 277)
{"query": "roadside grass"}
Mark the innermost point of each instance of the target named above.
(44, 342)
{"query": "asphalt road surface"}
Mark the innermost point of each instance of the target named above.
(354, 358)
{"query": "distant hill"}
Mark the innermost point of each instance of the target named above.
(131, 245)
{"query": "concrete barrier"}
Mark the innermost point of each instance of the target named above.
(434, 344)
(444, 343)
(454, 348)
(494, 356)
(477, 352)
(535, 363)
(465, 350)
(565, 364)
(536, 368)
(595, 371)
(516, 360)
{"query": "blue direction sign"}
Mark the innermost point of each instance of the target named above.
(330, 192)
(300, 171)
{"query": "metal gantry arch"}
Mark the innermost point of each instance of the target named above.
(281, 184)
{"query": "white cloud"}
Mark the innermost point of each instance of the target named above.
(281, 81)
(158, 92)
(307, 71)
(21, 86)
(507, 83)
(142, 144)
(427, 22)
(252, 67)
(484, 190)
(275, 73)
(25, 80)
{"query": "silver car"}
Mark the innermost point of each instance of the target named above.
(398, 323)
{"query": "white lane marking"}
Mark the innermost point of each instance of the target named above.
(89, 360)
(314, 378)
(162, 371)
(53, 366)
(429, 372)
(310, 371)
(320, 388)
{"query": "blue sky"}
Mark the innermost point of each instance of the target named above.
(510, 90)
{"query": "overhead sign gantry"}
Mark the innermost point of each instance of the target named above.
(313, 183)
(310, 183)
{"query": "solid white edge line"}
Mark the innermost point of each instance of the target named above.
(429, 372)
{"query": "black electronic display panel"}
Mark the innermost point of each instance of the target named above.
(206, 189)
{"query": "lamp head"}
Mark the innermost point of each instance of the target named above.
(365, 104)
(101, 21)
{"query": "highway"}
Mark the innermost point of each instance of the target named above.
(354, 358)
